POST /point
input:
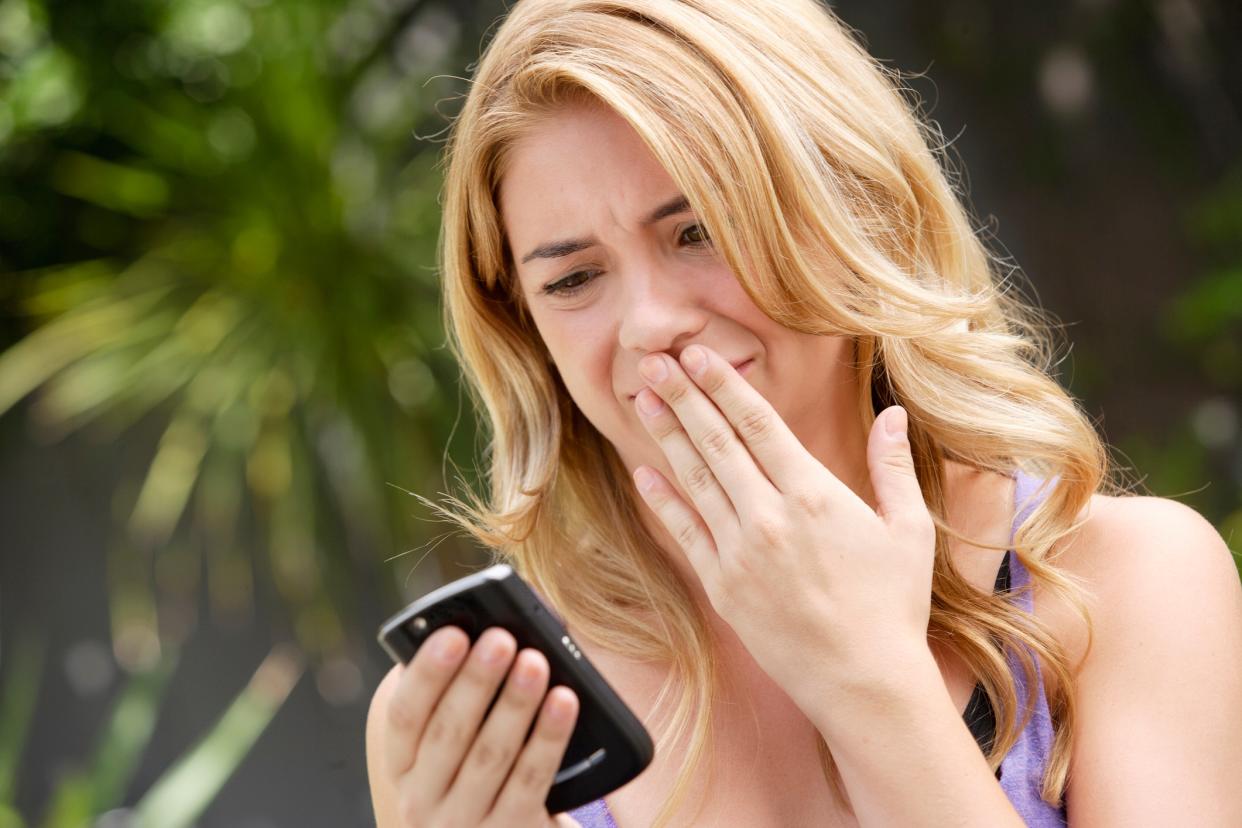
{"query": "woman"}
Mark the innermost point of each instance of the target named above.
(769, 431)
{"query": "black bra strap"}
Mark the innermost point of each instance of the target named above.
(980, 718)
(979, 715)
(1002, 575)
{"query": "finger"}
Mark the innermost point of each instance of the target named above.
(419, 687)
(899, 499)
(708, 429)
(682, 522)
(455, 722)
(760, 429)
(697, 478)
(527, 787)
(492, 755)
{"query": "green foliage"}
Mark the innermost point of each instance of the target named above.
(218, 233)
(179, 797)
(18, 697)
(181, 793)
(246, 265)
(99, 786)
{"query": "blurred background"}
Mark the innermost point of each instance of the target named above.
(222, 369)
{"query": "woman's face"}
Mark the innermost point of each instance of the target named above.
(613, 268)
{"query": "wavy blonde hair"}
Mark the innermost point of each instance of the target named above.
(804, 157)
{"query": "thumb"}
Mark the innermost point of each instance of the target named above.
(899, 500)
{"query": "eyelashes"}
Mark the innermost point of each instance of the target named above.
(567, 286)
(577, 281)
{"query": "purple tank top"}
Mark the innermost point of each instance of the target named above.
(1022, 769)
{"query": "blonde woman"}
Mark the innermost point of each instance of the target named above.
(772, 433)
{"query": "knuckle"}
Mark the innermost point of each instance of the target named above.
(770, 530)
(664, 427)
(444, 729)
(754, 424)
(900, 462)
(487, 756)
(700, 479)
(676, 393)
(528, 776)
(717, 443)
(688, 535)
(812, 502)
(715, 382)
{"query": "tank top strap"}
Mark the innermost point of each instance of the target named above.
(1022, 770)
(1029, 492)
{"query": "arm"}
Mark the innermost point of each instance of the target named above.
(1158, 738)
(906, 755)
(1160, 692)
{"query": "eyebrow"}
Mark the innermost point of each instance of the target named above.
(558, 249)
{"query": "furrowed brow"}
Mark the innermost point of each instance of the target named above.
(565, 247)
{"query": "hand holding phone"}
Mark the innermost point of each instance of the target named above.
(608, 746)
(432, 759)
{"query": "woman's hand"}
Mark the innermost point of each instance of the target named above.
(432, 759)
(820, 588)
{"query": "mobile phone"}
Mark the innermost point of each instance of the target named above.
(609, 745)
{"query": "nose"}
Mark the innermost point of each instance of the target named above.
(660, 312)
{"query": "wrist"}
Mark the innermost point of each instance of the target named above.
(885, 683)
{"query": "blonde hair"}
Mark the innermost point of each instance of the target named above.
(804, 158)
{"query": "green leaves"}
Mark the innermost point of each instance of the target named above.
(218, 240)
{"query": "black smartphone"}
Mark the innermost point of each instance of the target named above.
(609, 745)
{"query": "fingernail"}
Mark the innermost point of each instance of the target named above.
(895, 422)
(649, 402)
(526, 673)
(560, 708)
(494, 649)
(653, 368)
(448, 648)
(644, 478)
(694, 359)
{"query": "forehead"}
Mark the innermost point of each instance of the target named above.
(578, 171)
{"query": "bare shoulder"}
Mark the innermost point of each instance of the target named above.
(1158, 692)
(1142, 561)
(1146, 533)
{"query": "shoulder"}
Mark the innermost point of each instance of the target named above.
(1144, 563)
(1146, 532)
(1148, 566)
(1158, 684)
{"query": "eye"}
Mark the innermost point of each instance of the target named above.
(571, 284)
(697, 234)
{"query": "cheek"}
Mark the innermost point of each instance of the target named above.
(585, 366)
